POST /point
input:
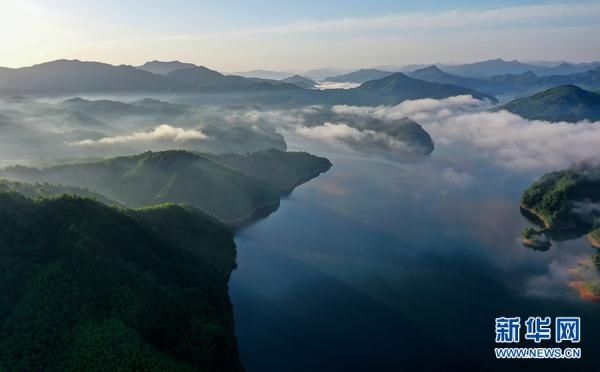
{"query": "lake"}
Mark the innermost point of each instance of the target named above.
(396, 264)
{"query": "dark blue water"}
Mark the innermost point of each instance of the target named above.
(383, 265)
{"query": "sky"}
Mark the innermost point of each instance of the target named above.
(242, 35)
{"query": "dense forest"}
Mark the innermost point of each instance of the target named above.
(231, 188)
(560, 198)
(85, 286)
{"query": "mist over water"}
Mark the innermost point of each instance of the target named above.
(376, 263)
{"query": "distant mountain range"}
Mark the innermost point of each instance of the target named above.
(522, 83)
(565, 103)
(73, 76)
(163, 68)
(398, 87)
(359, 76)
(479, 70)
(264, 74)
(70, 77)
(200, 78)
(501, 67)
(300, 81)
(322, 73)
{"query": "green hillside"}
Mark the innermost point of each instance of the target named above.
(183, 177)
(565, 103)
(564, 199)
(90, 287)
(282, 172)
(398, 87)
(39, 190)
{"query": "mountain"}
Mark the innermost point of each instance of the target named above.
(268, 166)
(20, 142)
(240, 139)
(499, 66)
(44, 190)
(416, 139)
(498, 84)
(163, 68)
(565, 200)
(263, 74)
(513, 83)
(180, 177)
(589, 80)
(490, 68)
(77, 120)
(521, 83)
(90, 287)
(202, 79)
(565, 103)
(73, 76)
(300, 81)
(398, 87)
(435, 75)
(321, 73)
(566, 68)
(108, 109)
(359, 76)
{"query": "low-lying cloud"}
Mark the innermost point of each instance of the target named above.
(457, 178)
(459, 123)
(324, 85)
(356, 138)
(506, 139)
(163, 132)
(517, 143)
(415, 109)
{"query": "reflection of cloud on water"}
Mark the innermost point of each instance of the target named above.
(489, 221)
(556, 283)
(333, 187)
(457, 178)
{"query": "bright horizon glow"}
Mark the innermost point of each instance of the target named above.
(263, 34)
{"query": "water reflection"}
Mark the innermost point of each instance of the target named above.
(377, 263)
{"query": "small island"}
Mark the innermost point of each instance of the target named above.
(564, 204)
(535, 239)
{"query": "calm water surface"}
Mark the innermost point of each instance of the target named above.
(383, 265)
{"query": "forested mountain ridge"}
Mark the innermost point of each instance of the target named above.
(184, 177)
(90, 287)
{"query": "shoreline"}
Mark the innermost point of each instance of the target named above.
(593, 241)
(545, 224)
(584, 293)
(267, 209)
(257, 214)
